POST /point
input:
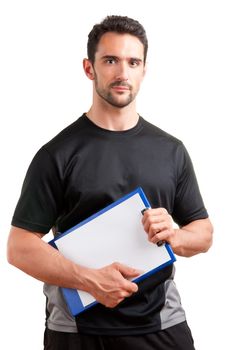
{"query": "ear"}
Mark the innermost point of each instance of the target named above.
(88, 68)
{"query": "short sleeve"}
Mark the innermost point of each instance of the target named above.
(40, 201)
(188, 205)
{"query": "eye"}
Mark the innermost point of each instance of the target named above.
(134, 62)
(110, 61)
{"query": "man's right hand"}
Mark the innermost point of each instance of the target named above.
(110, 285)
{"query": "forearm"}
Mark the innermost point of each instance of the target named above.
(28, 252)
(109, 285)
(192, 239)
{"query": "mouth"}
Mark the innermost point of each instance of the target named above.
(120, 88)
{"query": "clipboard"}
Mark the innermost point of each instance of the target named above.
(115, 233)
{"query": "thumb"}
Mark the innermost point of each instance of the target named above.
(128, 271)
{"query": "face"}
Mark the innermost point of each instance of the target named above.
(118, 69)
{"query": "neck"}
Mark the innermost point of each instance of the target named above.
(112, 118)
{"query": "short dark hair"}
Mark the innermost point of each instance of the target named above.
(117, 24)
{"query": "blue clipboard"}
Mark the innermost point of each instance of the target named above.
(115, 233)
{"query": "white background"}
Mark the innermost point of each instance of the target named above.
(187, 92)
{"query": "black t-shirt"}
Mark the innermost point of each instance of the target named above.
(85, 168)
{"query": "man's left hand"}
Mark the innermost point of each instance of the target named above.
(158, 224)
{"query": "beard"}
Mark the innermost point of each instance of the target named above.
(120, 100)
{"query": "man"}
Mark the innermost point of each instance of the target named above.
(102, 156)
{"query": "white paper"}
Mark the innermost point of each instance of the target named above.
(115, 235)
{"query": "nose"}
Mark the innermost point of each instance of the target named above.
(122, 72)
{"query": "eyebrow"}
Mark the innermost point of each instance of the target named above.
(118, 58)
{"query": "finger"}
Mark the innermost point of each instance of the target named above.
(161, 236)
(114, 303)
(130, 287)
(154, 219)
(154, 229)
(154, 212)
(148, 213)
(124, 294)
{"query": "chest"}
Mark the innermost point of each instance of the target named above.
(102, 173)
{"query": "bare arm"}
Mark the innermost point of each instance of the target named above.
(194, 238)
(28, 252)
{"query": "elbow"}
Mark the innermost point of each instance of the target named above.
(208, 238)
(11, 254)
(208, 245)
(13, 251)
